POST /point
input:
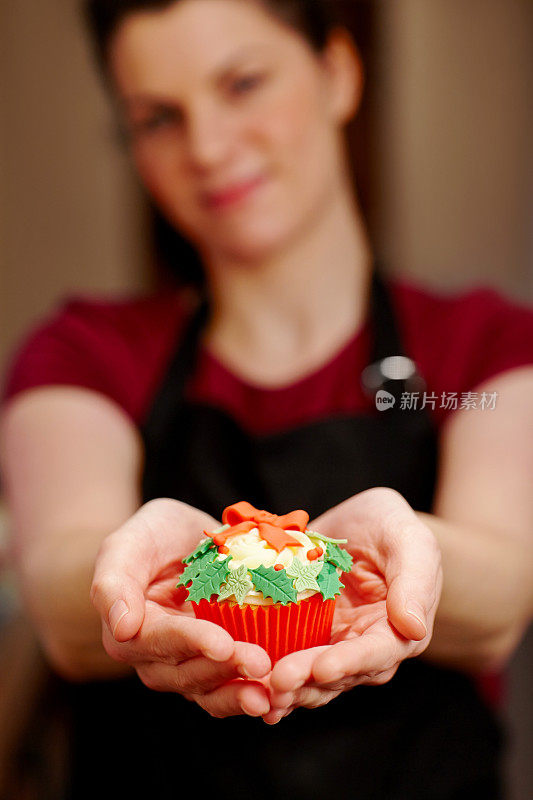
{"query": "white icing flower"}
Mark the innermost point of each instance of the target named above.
(251, 551)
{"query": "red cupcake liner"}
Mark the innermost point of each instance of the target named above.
(278, 629)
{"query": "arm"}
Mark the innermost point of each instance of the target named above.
(70, 462)
(477, 606)
(71, 465)
(483, 521)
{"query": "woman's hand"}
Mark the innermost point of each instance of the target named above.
(385, 613)
(148, 624)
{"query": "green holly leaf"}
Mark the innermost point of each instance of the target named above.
(305, 574)
(197, 566)
(209, 581)
(322, 538)
(199, 550)
(328, 582)
(238, 584)
(219, 530)
(338, 556)
(275, 584)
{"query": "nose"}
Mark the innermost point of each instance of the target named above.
(211, 138)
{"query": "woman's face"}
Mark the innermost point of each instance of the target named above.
(234, 122)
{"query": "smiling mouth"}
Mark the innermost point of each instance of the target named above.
(231, 195)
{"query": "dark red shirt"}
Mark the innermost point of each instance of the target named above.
(122, 347)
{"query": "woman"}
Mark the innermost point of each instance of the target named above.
(235, 113)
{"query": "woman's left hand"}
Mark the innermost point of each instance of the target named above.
(385, 612)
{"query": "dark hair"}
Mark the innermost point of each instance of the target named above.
(314, 19)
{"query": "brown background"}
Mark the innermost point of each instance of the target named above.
(449, 174)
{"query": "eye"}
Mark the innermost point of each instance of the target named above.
(158, 120)
(246, 84)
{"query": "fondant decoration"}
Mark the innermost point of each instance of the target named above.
(338, 556)
(196, 566)
(328, 581)
(316, 535)
(209, 581)
(238, 584)
(275, 584)
(305, 575)
(199, 550)
(242, 517)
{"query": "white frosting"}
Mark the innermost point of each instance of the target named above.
(250, 549)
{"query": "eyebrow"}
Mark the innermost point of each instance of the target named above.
(218, 76)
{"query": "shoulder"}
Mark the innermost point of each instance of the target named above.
(470, 309)
(460, 339)
(117, 346)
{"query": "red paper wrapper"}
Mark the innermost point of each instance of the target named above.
(278, 629)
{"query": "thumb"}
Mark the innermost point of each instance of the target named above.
(120, 578)
(406, 614)
(120, 602)
(131, 557)
(414, 579)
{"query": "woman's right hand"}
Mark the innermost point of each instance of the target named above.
(147, 623)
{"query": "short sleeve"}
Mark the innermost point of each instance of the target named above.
(461, 340)
(60, 350)
(115, 348)
(506, 336)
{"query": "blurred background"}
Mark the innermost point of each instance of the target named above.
(444, 163)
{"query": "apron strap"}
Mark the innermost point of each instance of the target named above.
(385, 332)
(172, 389)
(390, 368)
(386, 344)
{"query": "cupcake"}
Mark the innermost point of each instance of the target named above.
(267, 579)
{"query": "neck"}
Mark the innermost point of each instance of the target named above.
(288, 312)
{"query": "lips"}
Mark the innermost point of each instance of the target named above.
(232, 194)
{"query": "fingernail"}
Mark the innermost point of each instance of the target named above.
(280, 716)
(415, 611)
(244, 672)
(257, 713)
(215, 655)
(117, 612)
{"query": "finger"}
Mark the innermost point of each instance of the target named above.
(201, 675)
(414, 575)
(360, 518)
(251, 660)
(284, 700)
(281, 700)
(381, 522)
(236, 697)
(314, 696)
(133, 555)
(276, 715)
(172, 639)
(294, 670)
(363, 656)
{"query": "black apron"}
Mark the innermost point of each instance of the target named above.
(425, 735)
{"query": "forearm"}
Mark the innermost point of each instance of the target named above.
(70, 460)
(55, 580)
(487, 595)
